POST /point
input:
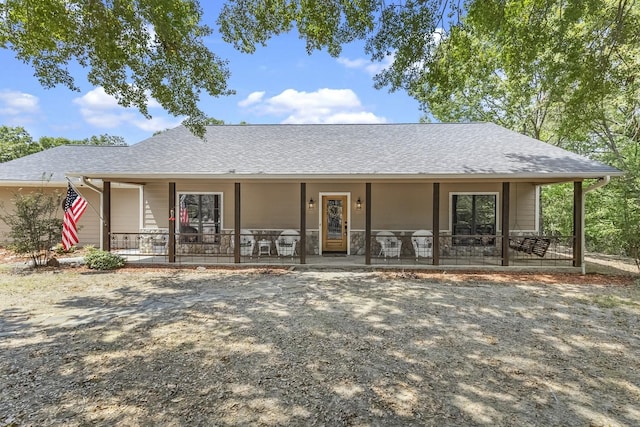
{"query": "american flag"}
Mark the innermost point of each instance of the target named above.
(184, 212)
(74, 207)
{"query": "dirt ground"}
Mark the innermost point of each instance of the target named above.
(274, 347)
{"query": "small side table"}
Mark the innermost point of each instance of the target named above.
(264, 247)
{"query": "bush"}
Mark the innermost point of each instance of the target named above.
(34, 224)
(103, 260)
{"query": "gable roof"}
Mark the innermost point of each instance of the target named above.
(345, 151)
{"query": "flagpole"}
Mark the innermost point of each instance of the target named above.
(89, 203)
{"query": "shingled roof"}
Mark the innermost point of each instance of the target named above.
(50, 166)
(379, 151)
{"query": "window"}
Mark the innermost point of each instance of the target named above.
(473, 215)
(200, 213)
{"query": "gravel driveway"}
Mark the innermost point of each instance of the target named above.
(269, 348)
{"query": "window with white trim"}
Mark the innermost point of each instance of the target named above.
(199, 213)
(473, 215)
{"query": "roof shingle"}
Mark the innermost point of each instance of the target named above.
(438, 150)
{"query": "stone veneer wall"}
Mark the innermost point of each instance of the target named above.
(154, 241)
(357, 243)
(211, 244)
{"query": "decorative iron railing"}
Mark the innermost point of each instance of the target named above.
(389, 248)
(482, 249)
(255, 247)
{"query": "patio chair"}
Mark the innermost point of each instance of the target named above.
(390, 245)
(286, 243)
(247, 242)
(422, 243)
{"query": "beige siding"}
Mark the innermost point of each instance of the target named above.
(394, 206)
(5, 207)
(401, 206)
(270, 206)
(90, 224)
(523, 205)
(156, 202)
(125, 210)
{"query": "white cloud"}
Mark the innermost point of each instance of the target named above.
(156, 123)
(322, 106)
(253, 98)
(362, 117)
(102, 110)
(437, 36)
(14, 103)
(374, 68)
(97, 99)
(353, 63)
(366, 65)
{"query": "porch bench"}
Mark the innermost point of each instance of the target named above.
(531, 245)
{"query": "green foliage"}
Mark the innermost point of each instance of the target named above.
(322, 24)
(132, 48)
(15, 142)
(563, 72)
(103, 140)
(60, 250)
(540, 68)
(34, 224)
(557, 210)
(98, 259)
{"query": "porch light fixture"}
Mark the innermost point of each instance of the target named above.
(312, 204)
(358, 204)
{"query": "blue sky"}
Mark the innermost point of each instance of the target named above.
(279, 83)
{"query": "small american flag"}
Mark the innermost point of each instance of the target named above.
(184, 212)
(74, 207)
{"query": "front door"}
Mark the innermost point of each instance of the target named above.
(335, 225)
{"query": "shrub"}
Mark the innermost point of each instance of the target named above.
(102, 260)
(34, 224)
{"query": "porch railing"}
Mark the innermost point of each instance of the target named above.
(269, 247)
(214, 248)
(482, 250)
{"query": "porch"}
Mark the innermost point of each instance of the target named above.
(480, 246)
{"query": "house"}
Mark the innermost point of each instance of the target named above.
(369, 193)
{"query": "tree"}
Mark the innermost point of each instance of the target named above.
(103, 140)
(132, 48)
(140, 48)
(15, 142)
(566, 73)
(34, 225)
